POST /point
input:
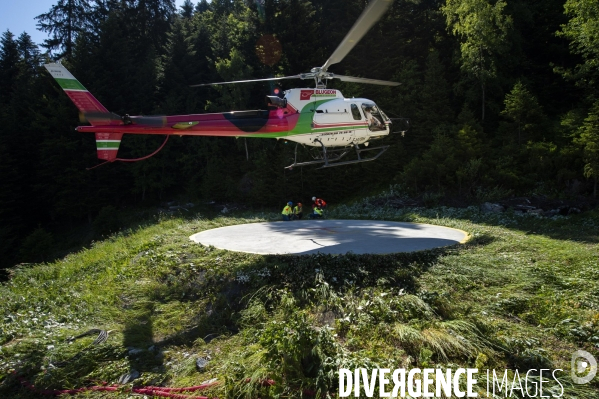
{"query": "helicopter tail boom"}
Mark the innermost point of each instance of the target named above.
(90, 108)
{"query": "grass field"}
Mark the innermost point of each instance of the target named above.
(522, 294)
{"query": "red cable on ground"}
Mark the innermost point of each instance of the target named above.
(145, 391)
(164, 392)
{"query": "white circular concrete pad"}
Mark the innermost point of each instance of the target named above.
(330, 237)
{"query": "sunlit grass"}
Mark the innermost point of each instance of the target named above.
(522, 293)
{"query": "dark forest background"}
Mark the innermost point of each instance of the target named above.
(501, 95)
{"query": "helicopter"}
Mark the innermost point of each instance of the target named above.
(320, 118)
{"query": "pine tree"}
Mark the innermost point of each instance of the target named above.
(202, 6)
(233, 97)
(482, 28)
(522, 108)
(589, 140)
(404, 102)
(187, 9)
(9, 66)
(436, 168)
(583, 31)
(434, 114)
(31, 58)
(150, 19)
(65, 20)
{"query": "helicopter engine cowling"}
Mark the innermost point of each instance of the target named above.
(276, 101)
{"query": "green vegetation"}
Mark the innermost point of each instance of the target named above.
(502, 100)
(501, 97)
(521, 294)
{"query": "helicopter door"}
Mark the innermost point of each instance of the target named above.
(331, 123)
(376, 122)
(356, 115)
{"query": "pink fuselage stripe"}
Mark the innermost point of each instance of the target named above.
(208, 125)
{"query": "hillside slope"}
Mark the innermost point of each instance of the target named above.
(522, 294)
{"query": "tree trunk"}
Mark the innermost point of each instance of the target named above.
(482, 82)
(482, 85)
(69, 50)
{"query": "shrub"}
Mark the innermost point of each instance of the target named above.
(38, 246)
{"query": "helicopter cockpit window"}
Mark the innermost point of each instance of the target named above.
(375, 120)
(355, 112)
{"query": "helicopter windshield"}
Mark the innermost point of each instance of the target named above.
(376, 119)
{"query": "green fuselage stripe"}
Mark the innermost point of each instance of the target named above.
(296, 132)
(108, 145)
(304, 124)
(71, 84)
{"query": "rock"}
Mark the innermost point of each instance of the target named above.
(551, 213)
(201, 363)
(491, 208)
(135, 351)
(130, 376)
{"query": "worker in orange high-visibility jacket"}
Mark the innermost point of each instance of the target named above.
(287, 211)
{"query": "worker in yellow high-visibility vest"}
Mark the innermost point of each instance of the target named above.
(317, 213)
(298, 211)
(287, 211)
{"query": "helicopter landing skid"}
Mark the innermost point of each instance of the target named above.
(330, 161)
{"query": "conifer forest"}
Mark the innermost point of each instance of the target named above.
(502, 98)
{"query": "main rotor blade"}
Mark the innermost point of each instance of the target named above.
(250, 80)
(372, 13)
(363, 80)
